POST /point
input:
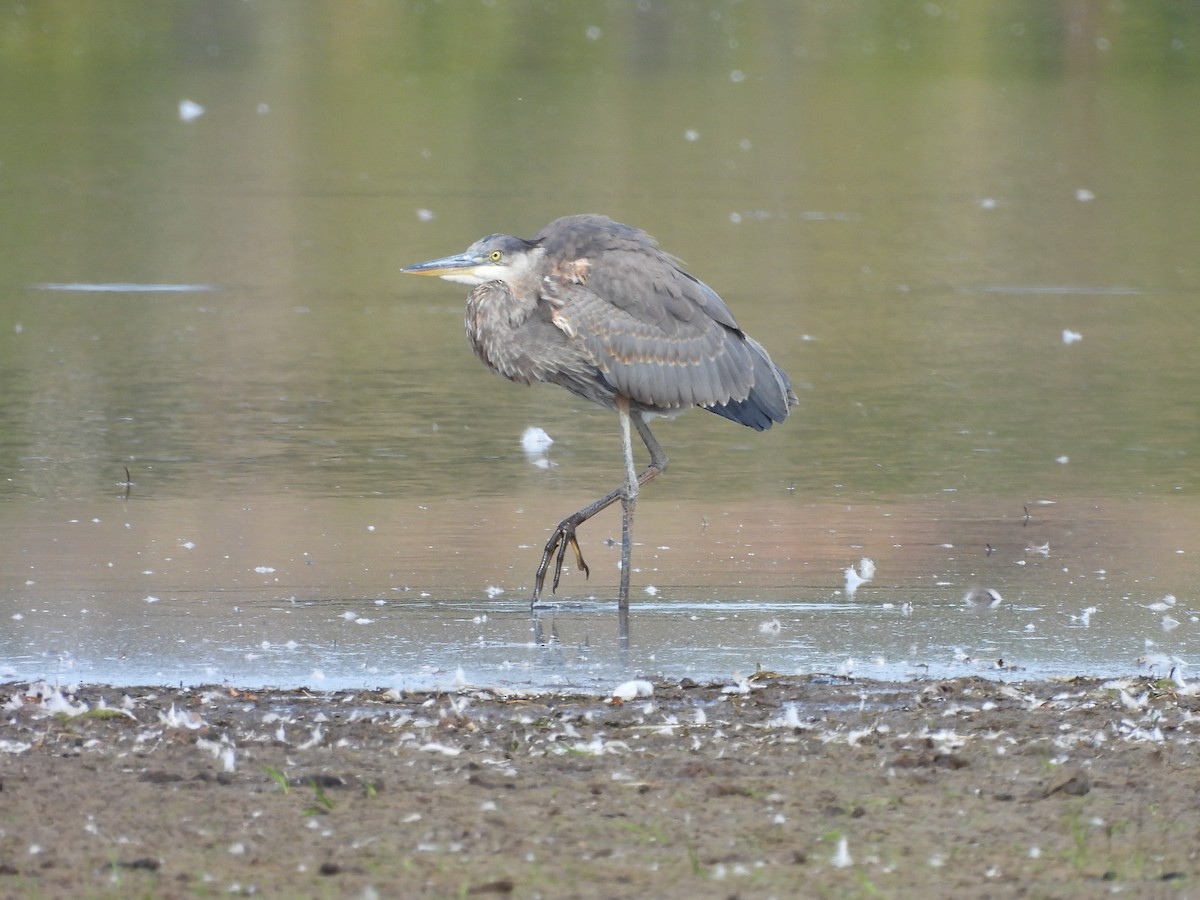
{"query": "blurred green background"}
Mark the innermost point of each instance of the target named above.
(906, 202)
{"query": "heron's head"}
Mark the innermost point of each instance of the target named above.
(497, 257)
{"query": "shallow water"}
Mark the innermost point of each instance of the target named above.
(329, 593)
(968, 234)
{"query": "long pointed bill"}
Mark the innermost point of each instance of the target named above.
(447, 267)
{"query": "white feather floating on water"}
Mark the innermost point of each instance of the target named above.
(1085, 616)
(866, 571)
(1162, 605)
(535, 440)
(190, 110)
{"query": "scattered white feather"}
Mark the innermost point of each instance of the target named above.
(788, 718)
(1070, 337)
(841, 857)
(174, 718)
(1085, 616)
(1169, 623)
(535, 440)
(1184, 688)
(1131, 702)
(771, 626)
(853, 580)
(1163, 605)
(314, 738)
(597, 746)
(190, 110)
(631, 690)
(444, 749)
(55, 703)
(866, 571)
(223, 750)
(740, 686)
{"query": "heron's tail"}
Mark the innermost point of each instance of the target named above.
(770, 399)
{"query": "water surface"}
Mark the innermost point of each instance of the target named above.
(967, 231)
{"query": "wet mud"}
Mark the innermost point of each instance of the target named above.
(768, 787)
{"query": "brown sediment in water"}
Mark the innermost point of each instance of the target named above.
(768, 787)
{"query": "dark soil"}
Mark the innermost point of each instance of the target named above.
(778, 787)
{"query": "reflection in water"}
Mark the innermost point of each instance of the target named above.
(544, 640)
(552, 640)
(337, 593)
(911, 211)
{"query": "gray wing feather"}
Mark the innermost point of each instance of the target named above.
(657, 334)
(698, 363)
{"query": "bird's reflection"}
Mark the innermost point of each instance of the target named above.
(545, 633)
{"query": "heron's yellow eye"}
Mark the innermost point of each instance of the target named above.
(495, 255)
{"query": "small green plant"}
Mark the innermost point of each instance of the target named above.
(323, 803)
(105, 712)
(279, 778)
(1079, 830)
(650, 833)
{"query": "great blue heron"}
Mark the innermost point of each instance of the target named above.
(596, 307)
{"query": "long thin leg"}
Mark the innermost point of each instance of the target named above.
(629, 497)
(564, 533)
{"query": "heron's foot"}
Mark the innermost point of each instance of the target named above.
(579, 561)
(563, 537)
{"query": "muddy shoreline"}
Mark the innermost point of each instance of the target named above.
(774, 786)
